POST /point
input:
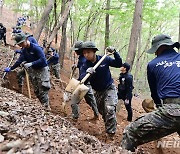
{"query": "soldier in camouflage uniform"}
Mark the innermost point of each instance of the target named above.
(21, 73)
(164, 81)
(53, 62)
(102, 83)
(89, 97)
(35, 63)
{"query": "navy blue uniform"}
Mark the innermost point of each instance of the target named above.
(33, 54)
(105, 91)
(125, 88)
(102, 79)
(53, 63)
(164, 76)
(164, 82)
(3, 34)
(89, 97)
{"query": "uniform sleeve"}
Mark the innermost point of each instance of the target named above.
(116, 62)
(129, 86)
(18, 62)
(41, 55)
(153, 87)
(56, 56)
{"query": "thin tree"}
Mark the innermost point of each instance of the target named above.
(63, 18)
(107, 24)
(43, 19)
(1, 6)
(63, 44)
(135, 32)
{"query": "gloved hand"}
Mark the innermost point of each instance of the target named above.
(27, 65)
(7, 69)
(90, 70)
(74, 66)
(18, 51)
(110, 49)
(126, 102)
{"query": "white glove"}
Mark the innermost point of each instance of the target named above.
(90, 70)
(126, 102)
(27, 65)
(110, 49)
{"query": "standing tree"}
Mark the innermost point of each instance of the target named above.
(44, 19)
(1, 6)
(107, 24)
(135, 32)
(63, 44)
(63, 18)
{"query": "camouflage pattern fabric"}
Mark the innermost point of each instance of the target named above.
(106, 102)
(90, 100)
(55, 70)
(40, 79)
(20, 77)
(154, 125)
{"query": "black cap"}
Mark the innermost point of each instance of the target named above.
(127, 66)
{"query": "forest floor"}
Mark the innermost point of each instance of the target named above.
(95, 130)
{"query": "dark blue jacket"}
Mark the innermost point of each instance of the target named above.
(125, 86)
(54, 59)
(81, 61)
(163, 74)
(32, 39)
(102, 79)
(34, 54)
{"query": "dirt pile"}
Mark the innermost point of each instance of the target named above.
(26, 128)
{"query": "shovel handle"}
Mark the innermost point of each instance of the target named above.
(27, 82)
(98, 63)
(9, 65)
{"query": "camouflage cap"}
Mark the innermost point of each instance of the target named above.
(160, 40)
(89, 45)
(20, 37)
(77, 45)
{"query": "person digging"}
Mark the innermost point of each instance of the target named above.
(33, 59)
(102, 83)
(89, 97)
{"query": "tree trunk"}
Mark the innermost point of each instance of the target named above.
(43, 19)
(55, 18)
(1, 6)
(107, 24)
(134, 32)
(63, 18)
(63, 44)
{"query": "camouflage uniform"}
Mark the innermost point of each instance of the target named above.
(89, 97)
(40, 79)
(106, 102)
(163, 74)
(20, 77)
(165, 119)
(55, 70)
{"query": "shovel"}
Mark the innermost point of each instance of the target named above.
(76, 88)
(9, 65)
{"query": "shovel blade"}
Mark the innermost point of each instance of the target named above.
(72, 85)
(79, 93)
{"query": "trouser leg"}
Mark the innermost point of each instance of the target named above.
(150, 127)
